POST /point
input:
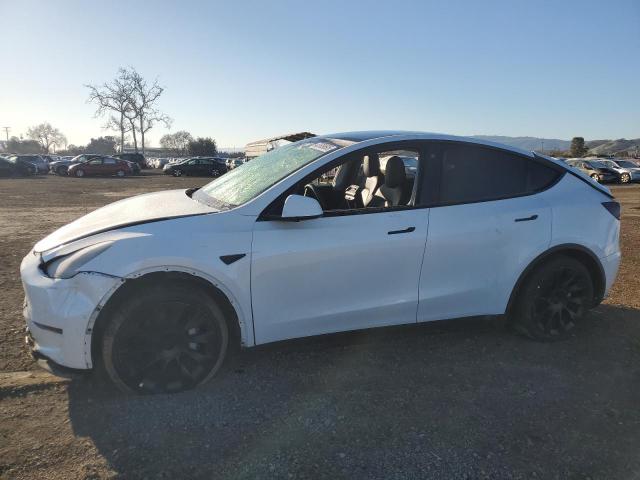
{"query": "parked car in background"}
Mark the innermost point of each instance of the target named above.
(626, 174)
(50, 158)
(632, 167)
(135, 168)
(197, 167)
(60, 167)
(132, 157)
(235, 162)
(595, 169)
(160, 162)
(100, 166)
(266, 254)
(37, 160)
(16, 168)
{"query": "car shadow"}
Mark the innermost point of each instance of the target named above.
(462, 398)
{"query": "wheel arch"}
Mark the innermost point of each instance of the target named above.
(237, 322)
(579, 252)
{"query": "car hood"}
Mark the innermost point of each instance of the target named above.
(150, 207)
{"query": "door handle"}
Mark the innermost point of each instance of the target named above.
(406, 230)
(526, 219)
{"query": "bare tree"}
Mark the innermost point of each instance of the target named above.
(115, 97)
(47, 136)
(143, 102)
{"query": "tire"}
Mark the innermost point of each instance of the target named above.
(61, 171)
(215, 172)
(625, 178)
(120, 173)
(177, 173)
(595, 177)
(168, 338)
(79, 173)
(553, 299)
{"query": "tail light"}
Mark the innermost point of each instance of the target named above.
(613, 208)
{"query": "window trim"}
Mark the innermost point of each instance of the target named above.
(437, 168)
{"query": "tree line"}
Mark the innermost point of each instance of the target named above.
(129, 105)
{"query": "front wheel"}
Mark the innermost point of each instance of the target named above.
(61, 171)
(177, 173)
(165, 340)
(120, 173)
(79, 173)
(625, 178)
(554, 299)
(595, 177)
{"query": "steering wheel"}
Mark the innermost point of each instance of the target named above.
(310, 190)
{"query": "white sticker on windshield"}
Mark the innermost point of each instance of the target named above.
(323, 147)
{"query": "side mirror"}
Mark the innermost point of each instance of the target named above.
(297, 207)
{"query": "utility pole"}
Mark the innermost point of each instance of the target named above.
(6, 130)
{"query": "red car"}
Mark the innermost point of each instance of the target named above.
(100, 166)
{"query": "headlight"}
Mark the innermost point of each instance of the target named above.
(67, 266)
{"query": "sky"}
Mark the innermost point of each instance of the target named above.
(239, 70)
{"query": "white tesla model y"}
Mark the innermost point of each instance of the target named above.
(332, 233)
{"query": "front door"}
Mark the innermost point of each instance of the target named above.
(336, 273)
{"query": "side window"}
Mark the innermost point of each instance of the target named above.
(95, 161)
(366, 181)
(475, 174)
(540, 176)
(110, 161)
(192, 162)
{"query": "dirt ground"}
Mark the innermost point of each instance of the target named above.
(461, 399)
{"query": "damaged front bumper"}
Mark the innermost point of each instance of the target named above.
(60, 313)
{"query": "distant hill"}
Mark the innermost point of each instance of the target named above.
(528, 143)
(610, 147)
(596, 147)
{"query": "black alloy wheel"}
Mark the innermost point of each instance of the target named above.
(165, 341)
(554, 300)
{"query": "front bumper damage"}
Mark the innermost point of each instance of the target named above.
(60, 314)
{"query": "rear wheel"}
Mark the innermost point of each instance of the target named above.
(79, 173)
(120, 173)
(554, 299)
(165, 340)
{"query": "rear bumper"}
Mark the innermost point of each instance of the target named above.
(60, 312)
(610, 265)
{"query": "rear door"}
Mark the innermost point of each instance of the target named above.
(110, 166)
(486, 225)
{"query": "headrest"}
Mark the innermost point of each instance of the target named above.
(394, 174)
(371, 165)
